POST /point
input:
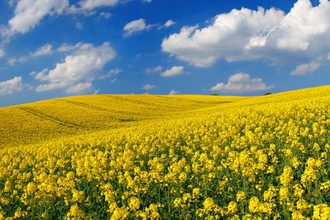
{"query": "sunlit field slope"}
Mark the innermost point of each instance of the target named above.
(36, 122)
(167, 157)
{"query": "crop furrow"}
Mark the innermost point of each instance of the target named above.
(44, 116)
(97, 108)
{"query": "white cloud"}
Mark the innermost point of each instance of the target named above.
(140, 25)
(105, 14)
(11, 86)
(113, 80)
(28, 13)
(173, 92)
(79, 68)
(148, 87)
(92, 4)
(11, 61)
(169, 23)
(79, 25)
(174, 71)
(305, 69)
(41, 76)
(241, 82)
(152, 70)
(42, 51)
(80, 88)
(64, 48)
(302, 34)
(2, 53)
(12, 3)
(146, 1)
(88, 7)
(135, 26)
(111, 73)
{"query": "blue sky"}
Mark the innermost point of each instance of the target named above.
(55, 48)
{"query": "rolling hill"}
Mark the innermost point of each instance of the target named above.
(166, 157)
(65, 117)
(36, 122)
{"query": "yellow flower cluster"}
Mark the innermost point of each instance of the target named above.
(225, 158)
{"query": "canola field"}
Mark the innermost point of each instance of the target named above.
(167, 157)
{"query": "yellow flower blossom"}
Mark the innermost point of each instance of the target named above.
(321, 212)
(75, 212)
(160, 157)
(134, 203)
(232, 207)
(254, 205)
(240, 196)
(209, 204)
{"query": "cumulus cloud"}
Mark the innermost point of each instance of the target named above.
(11, 86)
(92, 4)
(140, 25)
(169, 23)
(12, 3)
(78, 70)
(135, 26)
(152, 70)
(148, 87)
(241, 82)
(173, 92)
(88, 7)
(301, 34)
(80, 88)
(174, 71)
(305, 69)
(64, 48)
(39, 52)
(28, 13)
(42, 51)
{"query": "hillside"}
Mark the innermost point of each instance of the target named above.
(182, 156)
(63, 117)
(36, 122)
